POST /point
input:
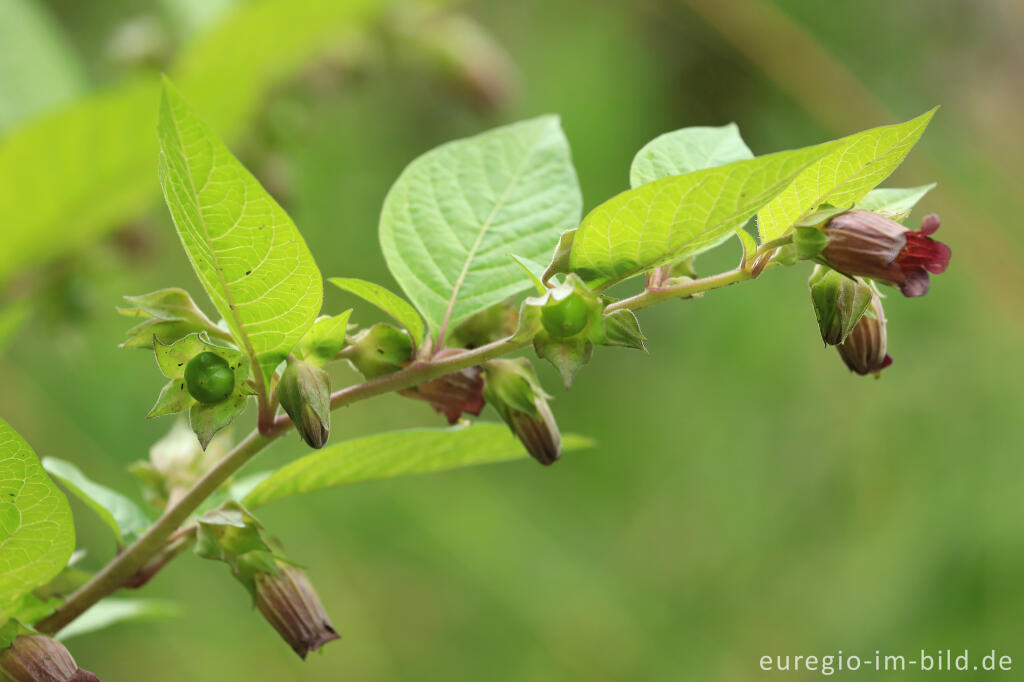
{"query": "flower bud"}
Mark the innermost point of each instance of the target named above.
(511, 387)
(34, 658)
(290, 604)
(863, 351)
(867, 244)
(305, 394)
(838, 301)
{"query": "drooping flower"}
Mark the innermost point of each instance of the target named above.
(511, 387)
(290, 604)
(863, 351)
(867, 244)
(35, 658)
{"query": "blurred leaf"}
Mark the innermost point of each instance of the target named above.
(12, 316)
(393, 454)
(687, 150)
(245, 249)
(122, 515)
(455, 214)
(38, 70)
(392, 304)
(100, 151)
(113, 611)
(324, 339)
(896, 203)
(680, 215)
(854, 165)
(37, 534)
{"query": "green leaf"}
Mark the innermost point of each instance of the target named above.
(895, 203)
(97, 191)
(680, 215)
(687, 150)
(37, 534)
(455, 214)
(123, 516)
(391, 303)
(399, 453)
(854, 165)
(113, 611)
(245, 249)
(38, 68)
(324, 339)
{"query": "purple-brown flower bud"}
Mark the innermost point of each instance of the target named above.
(452, 394)
(863, 351)
(34, 658)
(305, 394)
(512, 389)
(867, 244)
(290, 604)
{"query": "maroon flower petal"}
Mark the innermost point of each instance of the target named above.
(915, 283)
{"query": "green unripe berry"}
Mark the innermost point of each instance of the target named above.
(209, 378)
(565, 318)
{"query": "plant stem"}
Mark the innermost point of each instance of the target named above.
(119, 572)
(683, 290)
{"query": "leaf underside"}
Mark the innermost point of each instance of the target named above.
(843, 177)
(454, 216)
(37, 534)
(247, 252)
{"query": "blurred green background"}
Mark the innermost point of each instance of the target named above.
(748, 495)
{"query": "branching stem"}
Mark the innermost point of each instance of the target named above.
(122, 568)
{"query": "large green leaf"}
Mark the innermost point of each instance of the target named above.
(456, 214)
(38, 70)
(76, 172)
(399, 453)
(37, 534)
(123, 516)
(687, 150)
(680, 215)
(245, 249)
(855, 165)
(392, 304)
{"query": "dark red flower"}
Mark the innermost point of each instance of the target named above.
(863, 351)
(867, 244)
(452, 394)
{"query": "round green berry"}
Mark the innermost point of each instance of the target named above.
(565, 318)
(209, 378)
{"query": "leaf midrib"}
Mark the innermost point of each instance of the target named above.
(232, 307)
(483, 232)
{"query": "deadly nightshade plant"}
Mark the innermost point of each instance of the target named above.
(466, 229)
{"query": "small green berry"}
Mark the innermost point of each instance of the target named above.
(565, 318)
(209, 378)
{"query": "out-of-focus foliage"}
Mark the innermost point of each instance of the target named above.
(738, 503)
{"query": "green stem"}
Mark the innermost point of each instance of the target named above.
(119, 572)
(683, 290)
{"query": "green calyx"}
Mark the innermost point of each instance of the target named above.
(839, 303)
(512, 389)
(209, 378)
(567, 317)
(379, 350)
(305, 394)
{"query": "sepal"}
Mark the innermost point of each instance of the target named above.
(167, 315)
